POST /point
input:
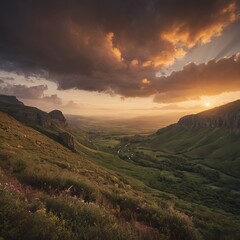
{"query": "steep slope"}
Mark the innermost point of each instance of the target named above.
(52, 124)
(58, 118)
(31, 115)
(159, 186)
(211, 136)
(58, 194)
(217, 148)
(226, 116)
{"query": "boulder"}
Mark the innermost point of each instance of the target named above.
(58, 118)
(67, 140)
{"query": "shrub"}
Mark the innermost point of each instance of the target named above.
(88, 221)
(76, 187)
(22, 224)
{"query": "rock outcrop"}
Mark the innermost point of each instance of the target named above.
(67, 140)
(29, 115)
(226, 116)
(10, 100)
(58, 118)
(38, 119)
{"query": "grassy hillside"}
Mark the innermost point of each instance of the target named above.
(180, 183)
(49, 192)
(197, 170)
(216, 148)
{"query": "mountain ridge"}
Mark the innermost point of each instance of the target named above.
(182, 183)
(225, 116)
(52, 124)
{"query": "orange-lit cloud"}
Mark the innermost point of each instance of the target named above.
(110, 46)
(194, 81)
(181, 33)
(116, 52)
(134, 62)
(145, 81)
(166, 58)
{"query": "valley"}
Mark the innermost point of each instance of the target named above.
(178, 182)
(198, 178)
(119, 120)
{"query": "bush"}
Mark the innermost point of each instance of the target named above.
(88, 221)
(75, 187)
(22, 224)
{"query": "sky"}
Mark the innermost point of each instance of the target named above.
(121, 58)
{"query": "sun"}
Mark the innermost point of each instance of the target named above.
(207, 104)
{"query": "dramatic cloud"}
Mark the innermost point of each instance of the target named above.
(6, 79)
(111, 46)
(53, 99)
(209, 79)
(23, 91)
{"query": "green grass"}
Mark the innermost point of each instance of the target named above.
(48, 185)
(178, 183)
(197, 170)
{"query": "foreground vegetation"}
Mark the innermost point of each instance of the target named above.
(175, 184)
(58, 194)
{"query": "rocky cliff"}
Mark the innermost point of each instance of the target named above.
(10, 100)
(38, 119)
(67, 140)
(58, 118)
(31, 115)
(28, 115)
(226, 116)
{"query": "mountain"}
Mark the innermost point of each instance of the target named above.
(49, 192)
(226, 116)
(181, 183)
(211, 136)
(31, 115)
(52, 124)
(197, 160)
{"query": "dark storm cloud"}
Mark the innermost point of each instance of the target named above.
(112, 46)
(209, 79)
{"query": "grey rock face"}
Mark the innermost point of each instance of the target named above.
(58, 118)
(67, 140)
(32, 116)
(36, 118)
